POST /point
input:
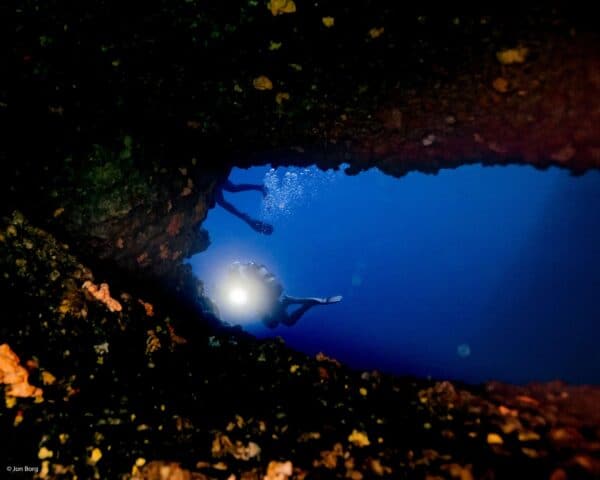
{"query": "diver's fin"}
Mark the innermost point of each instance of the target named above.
(336, 299)
(326, 300)
(310, 300)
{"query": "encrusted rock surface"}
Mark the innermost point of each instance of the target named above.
(126, 118)
(123, 122)
(147, 391)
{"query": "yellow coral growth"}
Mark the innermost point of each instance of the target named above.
(14, 375)
(279, 471)
(279, 7)
(328, 21)
(48, 378)
(73, 303)
(152, 342)
(512, 55)
(44, 453)
(222, 445)
(506, 412)
(148, 307)
(494, 439)
(329, 458)
(359, 439)
(528, 436)
(376, 32)
(102, 294)
(281, 97)
(500, 85)
(458, 471)
(95, 456)
(262, 83)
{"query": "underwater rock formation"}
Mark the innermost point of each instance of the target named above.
(125, 123)
(133, 395)
(125, 119)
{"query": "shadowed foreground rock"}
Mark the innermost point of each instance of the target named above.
(127, 118)
(131, 388)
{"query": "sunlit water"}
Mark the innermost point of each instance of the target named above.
(476, 273)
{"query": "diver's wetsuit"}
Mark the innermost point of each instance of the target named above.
(276, 308)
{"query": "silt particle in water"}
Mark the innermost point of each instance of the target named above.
(463, 350)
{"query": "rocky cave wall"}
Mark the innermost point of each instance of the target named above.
(125, 120)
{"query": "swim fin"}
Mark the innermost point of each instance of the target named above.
(335, 299)
(327, 300)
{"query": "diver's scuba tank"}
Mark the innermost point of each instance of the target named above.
(253, 271)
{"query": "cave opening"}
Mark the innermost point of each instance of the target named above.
(473, 273)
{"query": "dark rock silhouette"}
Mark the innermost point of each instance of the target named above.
(145, 391)
(122, 122)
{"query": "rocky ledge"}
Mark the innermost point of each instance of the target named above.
(104, 381)
(125, 119)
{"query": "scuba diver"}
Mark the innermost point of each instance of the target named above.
(256, 225)
(255, 282)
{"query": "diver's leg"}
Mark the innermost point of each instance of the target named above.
(311, 301)
(270, 322)
(243, 187)
(276, 315)
(306, 303)
(256, 225)
(292, 318)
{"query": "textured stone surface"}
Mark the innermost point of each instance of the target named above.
(122, 123)
(152, 393)
(126, 119)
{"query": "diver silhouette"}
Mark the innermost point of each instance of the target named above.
(256, 225)
(273, 305)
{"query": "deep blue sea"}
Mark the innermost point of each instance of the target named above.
(475, 273)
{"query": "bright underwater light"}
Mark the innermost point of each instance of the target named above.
(242, 298)
(238, 296)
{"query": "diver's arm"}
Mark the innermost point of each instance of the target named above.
(255, 225)
(229, 186)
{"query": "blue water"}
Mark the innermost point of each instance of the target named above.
(474, 274)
